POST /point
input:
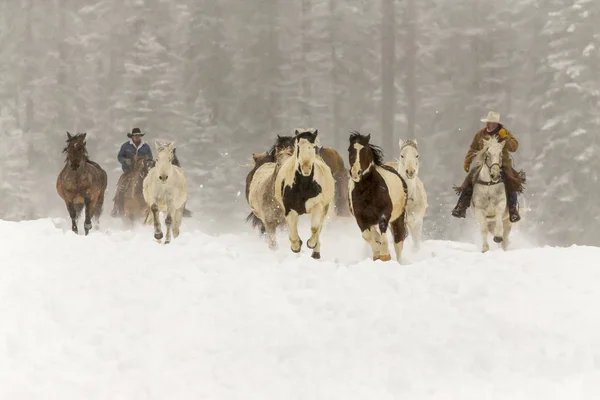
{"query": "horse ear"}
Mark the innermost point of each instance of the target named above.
(83, 136)
(69, 137)
(368, 137)
(400, 143)
(316, 132)
(157, 146)
(416, 143)
(296, 132)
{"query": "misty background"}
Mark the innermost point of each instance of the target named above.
(222, 78)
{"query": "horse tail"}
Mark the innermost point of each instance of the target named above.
(256, 222)
(383, 224)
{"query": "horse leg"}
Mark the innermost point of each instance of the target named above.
(292, 223)
(316, 224)
(415, 231)
(483, 226)
(73, 215)
(87, 224)
(158, 235)
(381, 239)
(506, 233)
(177, 221)
(169, 224)
(498, 228)
(367, 235)
(399, 233)
(270, 232)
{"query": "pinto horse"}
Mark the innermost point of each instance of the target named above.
(377, 197)
(305, 185)
(260, 186)
(81, 183)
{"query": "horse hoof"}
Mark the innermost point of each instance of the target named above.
(299, 247)
(158, 236)
(309, 245)
(385, 257)
(498, 239)
(316, 255)
(167, 241)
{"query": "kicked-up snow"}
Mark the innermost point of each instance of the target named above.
(115, 315)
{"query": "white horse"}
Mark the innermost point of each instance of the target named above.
(416, 204)
(165, 190)
(305, 185)
(489, 196)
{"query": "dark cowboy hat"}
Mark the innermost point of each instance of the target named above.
(135, 132)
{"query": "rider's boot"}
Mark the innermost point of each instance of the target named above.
(513, 207)
(460, 211)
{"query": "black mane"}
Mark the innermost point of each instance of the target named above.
(75, 137)
(308, 135)
(281, 142)
(377, 152)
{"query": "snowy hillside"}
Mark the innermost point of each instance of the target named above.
(116, 316)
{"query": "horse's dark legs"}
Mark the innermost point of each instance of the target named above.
(87, 225)
(399, 233)
(158, 235)
(169, 224)
(73, 215)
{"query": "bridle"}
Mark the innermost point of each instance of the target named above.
(485, 162)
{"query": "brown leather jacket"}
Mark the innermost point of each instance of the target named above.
(511, 146)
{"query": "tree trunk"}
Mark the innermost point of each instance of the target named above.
(388, 88)
(410, 63)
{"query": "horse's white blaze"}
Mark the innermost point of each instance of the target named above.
(416, 204)
(306, 156)
(355, 168)
(396, 191)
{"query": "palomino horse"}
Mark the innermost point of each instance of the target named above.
(260, 188)
(335, 162)
(377, 197)
(489, 195)
(416, 204)
(81, 183)
(165, 190)
(305, 185)
(134, 205)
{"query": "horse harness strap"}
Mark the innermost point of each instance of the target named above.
(490, 183)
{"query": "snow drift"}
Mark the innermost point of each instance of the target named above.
(116, 316)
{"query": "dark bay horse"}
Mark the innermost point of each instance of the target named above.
(134, 205)
(81, 183)
(377, 197)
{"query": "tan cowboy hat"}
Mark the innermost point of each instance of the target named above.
(135, 132)
(492, 117)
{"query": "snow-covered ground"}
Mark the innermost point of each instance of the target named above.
(116, 316)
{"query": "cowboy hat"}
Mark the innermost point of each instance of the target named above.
(135, 132)
(492, 117)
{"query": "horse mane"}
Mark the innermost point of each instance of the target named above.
(282, 141)
(411, 143)
(478, 158)
(377, 152)
(74, 137)
(308, 134)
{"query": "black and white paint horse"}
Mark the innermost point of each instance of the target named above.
(305, 185)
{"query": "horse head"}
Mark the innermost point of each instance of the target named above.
(306, 142)
(362, 155)
(491, 157)
(164, 156)
(75, 150)
(408, 164)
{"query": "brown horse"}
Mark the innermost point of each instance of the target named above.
(134, 205)
(377, 197)
(335, 162)
(81, 183)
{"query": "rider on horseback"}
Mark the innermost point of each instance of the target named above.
(129, 150)
(513, 179)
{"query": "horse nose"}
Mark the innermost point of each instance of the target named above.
(163, 178)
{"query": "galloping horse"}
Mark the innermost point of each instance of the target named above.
(489, 195)
(165, 190)
(134, 205)
(81, 183)
(305, 185)
(377, 197)
(260, 189)
(416, 204)
(335, 162)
